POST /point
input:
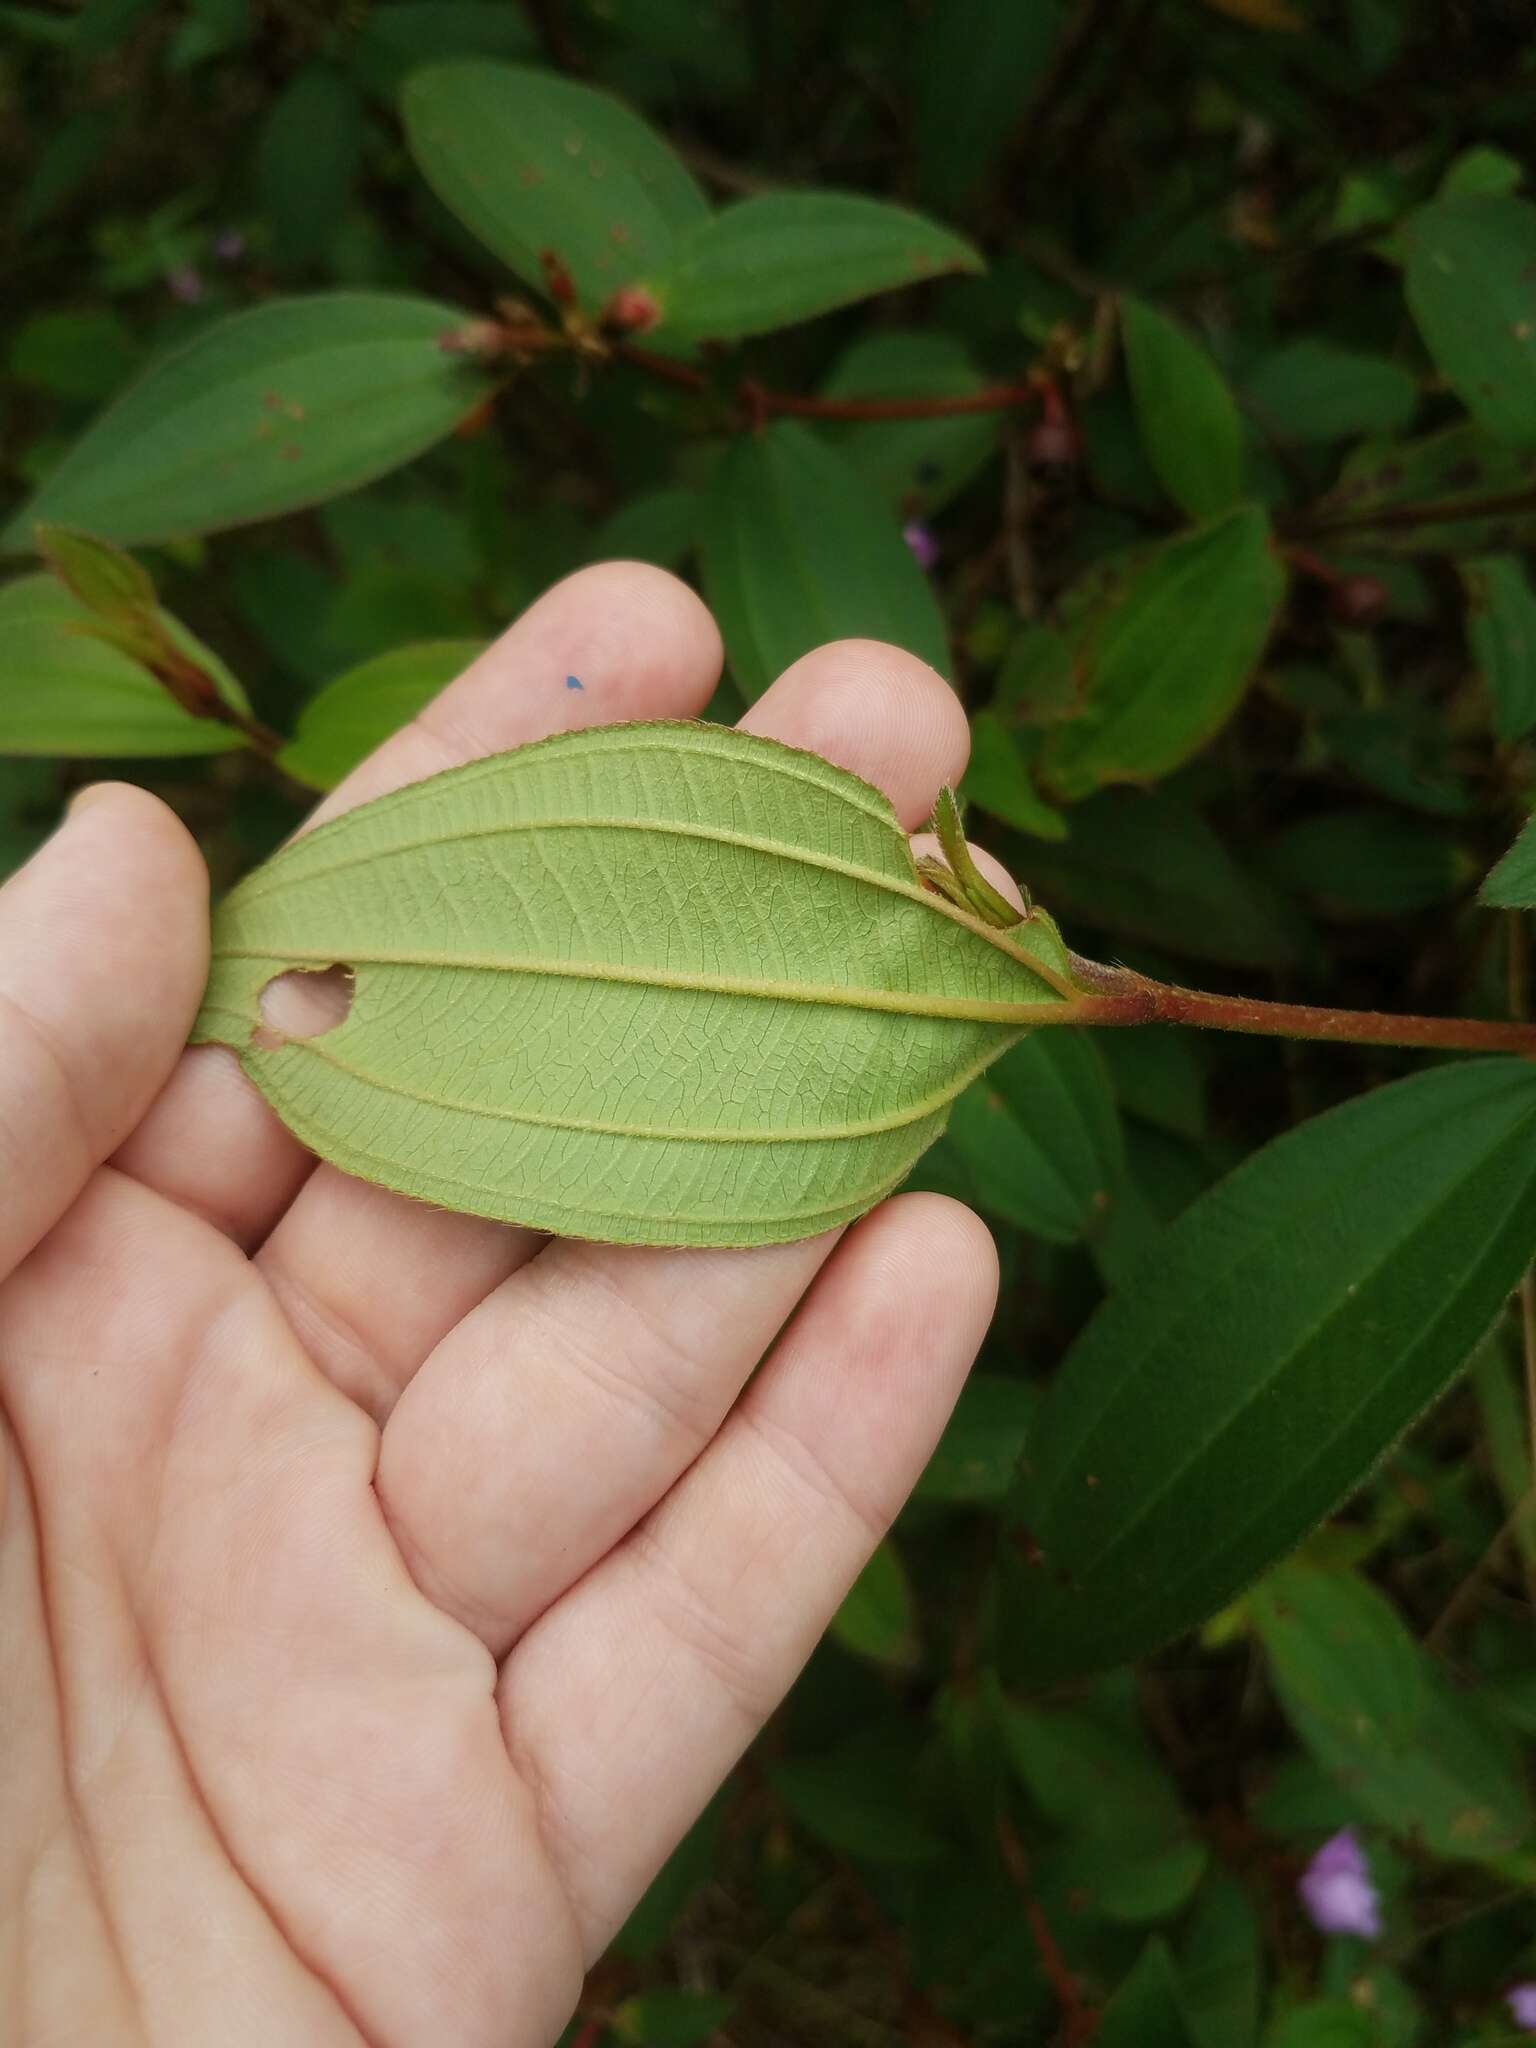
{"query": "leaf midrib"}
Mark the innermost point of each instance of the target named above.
(958, 1009)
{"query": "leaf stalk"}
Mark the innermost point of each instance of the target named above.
(1116, 996)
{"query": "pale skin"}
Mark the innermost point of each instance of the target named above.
(383, 1592)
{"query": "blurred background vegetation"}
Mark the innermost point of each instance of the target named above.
(1227, 561)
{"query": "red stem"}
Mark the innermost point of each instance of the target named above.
(761, 403)
(1079, 2021)
(1122, 997)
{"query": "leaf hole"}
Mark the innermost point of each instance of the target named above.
(306, 1002)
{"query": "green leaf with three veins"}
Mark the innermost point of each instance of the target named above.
(1470, 276)
(659, 984)
(262, 413)
(64, 691)
(782, 257)
(1165, 662)
(532, 163)
(1189, 424)
(358, 710)
(1244, 1379)
(797, 548)
(1382, 1720)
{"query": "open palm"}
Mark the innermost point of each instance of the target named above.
(382, 1591)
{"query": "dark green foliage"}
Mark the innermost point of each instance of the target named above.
(1211, 331)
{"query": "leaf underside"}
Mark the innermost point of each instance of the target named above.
(655, 984)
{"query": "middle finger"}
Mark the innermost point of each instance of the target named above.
(565, 1405)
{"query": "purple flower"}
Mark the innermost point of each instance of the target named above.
(921, 540)
(229, 245)
(184, 283)
(1336, 1889)
(1521, 2000)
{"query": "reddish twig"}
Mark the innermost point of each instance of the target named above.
(1079, 2020)
(1430, 512)
(589, 2036)
(798, 405)
(760, 403)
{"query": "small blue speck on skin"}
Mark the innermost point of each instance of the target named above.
(573, 682)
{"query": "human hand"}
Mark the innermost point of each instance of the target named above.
(383, 1591)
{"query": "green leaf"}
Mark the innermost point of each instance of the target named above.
(1383, 1721)
(999, 780)
(1159, 1076)
(980, 1447)
(1501, 628)
(1165, 664)
(1130, 1854)
(1512, 883)
(102, 577)
(672, 2019)
(917, 465)
(1323, 2023)
(975, 66)
(692, 992)
(1455, 492)
(1041, 1138)
(344, 722)
(858, 1799)
(1221, 1965)
(878, 1619)
(798, 549)
(1145, 866)
(259, 414)
(1360, 862)
(1470, 276)
(530, 163)
(1313, 390)
(782, 257)
(307, 160)
(63, 691)
(81, 355)
(660, 527)
(1284, 1332)
(1146, 2011)
(1483, 171)
(1189, 424)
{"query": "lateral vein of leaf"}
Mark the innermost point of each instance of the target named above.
(963, 1009)
(388, 1174)
(866, 1127)
(1221, 1424)
(803, 856)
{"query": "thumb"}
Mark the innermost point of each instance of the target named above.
(103, 955)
